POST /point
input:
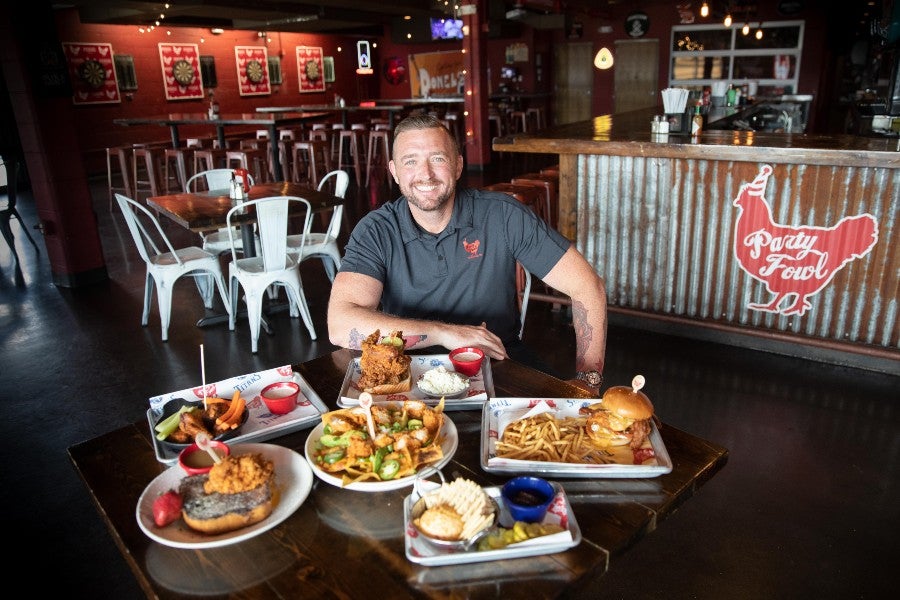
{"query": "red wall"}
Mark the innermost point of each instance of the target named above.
(96, 130)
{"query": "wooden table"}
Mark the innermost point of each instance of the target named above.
(271, 122)
(350, 544)
(206, 210)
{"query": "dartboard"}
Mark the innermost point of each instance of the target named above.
(255, 71)
(183, 72)
(312, 70)
(92, 73)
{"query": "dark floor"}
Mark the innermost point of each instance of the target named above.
(808, 505)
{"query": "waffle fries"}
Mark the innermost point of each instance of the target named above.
(465, 498)
(545, 438)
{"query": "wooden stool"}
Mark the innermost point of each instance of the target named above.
(335, 140)
(379, 152)
(252, 159)
(495, 119)
(145, 169)
(550, 185)
(452, 121)
(118, 157)
(551, 170)
(312, 159)
(351, 139)
(529, 195)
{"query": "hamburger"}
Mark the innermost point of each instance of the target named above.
(622, 417)
(384, 365)
(237, 492)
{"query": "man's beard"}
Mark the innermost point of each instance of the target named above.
(412, 196)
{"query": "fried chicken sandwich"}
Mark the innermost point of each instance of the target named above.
(384, 366)
(621, 417)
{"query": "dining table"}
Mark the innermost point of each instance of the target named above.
(206, 210)
(271, 122)
(344, 543)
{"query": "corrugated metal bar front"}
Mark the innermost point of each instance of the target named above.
(661, 232)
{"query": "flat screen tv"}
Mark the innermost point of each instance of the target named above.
(446, 29)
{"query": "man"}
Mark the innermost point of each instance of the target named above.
(439, 263)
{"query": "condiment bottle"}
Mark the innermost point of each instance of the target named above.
(697, 122)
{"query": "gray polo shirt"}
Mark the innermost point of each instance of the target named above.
(466, 273)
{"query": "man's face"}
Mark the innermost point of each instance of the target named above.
(426, 166)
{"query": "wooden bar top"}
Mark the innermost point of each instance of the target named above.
(628, 134)
(350, 544)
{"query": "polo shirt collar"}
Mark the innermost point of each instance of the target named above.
(463, 216)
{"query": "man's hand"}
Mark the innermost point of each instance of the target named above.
(456, 336)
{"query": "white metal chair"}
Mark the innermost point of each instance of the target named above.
(166, 266)
(324, 245)
(215, 179)
(273, 265)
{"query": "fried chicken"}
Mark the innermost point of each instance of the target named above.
(383, 363)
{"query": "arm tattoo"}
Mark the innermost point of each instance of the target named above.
(583, 334)
(355, 339)
(414, 340)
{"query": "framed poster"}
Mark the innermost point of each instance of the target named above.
(181, 71)
(252, 70)
(329, 69)
(310, 69)
(93, 73)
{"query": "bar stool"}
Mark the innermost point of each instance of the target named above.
(536, 116)
(379, 152)
(176, 160)
(251, 159)
(518, 121)
(145, 169)
(529, 195)
(550, 185)
(351, 139)
(335, 140)
(206, 159)
(452, 121)
(551, 170)
(118, 157)
(495, 119)
(312, 158)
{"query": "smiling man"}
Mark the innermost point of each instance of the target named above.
(439, 263)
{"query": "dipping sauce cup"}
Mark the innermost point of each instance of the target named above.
(467, 360)
(280, 397)
(195, 461)
(527, 498)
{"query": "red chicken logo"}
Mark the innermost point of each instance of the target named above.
(794, 261)
(471, 247)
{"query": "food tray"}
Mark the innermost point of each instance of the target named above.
(481, 384)
(502, 410)
(261, 424)
(419, 550)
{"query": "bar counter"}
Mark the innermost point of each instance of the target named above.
(657, 217)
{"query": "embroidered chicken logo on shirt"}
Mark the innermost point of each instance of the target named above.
(794, 261)
(471, 247)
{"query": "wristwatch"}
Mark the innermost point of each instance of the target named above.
(592, 378)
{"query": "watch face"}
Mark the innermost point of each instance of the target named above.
(594, 378)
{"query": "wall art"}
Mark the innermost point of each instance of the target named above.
(92, 72)
(252, 70)
(181, 71)
(310, 69)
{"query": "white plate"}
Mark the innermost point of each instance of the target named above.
(448, 446)
(481, 385)
(419, 550)
(622, 466)
(293, 479)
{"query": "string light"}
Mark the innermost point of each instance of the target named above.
(759, 33)
(704, 10)
(728, 20)
(745, 29)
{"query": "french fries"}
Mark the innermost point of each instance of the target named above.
(545, 438)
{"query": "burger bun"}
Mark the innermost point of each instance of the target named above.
(625, 402)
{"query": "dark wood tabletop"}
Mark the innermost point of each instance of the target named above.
(349, 544)
(206, 210)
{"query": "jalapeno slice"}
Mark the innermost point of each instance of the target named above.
(389, 469)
